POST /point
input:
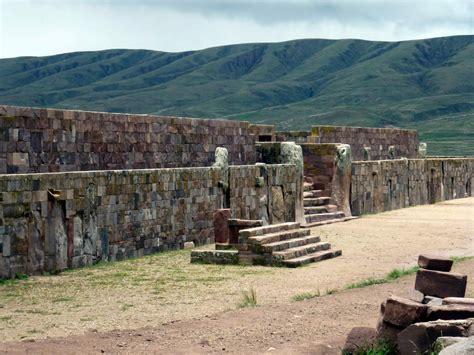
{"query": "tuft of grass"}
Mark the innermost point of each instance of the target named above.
(458, 259)
(391, 276)
(397, 273)
(331, 291)
(305, 296)
(379, 348)
(249, 298)
(18, 277)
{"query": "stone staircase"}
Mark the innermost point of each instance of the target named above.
(319, 208)
(284, 244)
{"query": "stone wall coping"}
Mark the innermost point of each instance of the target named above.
(415, 159)
(5, 110)
(348, 128)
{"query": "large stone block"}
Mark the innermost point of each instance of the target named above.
(440, 284)
(419, 338)
(450, 312)
(432, 262)
(402, 312)
(458, 301)
(221, 225)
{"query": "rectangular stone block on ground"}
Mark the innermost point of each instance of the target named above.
(440, 284)
(432, 262)
(402, 312)
(450, 312)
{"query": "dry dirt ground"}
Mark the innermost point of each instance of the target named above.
(162, 303)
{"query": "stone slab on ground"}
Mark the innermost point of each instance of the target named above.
(450, 312)
(432, 262)
(463, 347)
(419, 338)
(402, 312)
(459, 300)
(440, 284)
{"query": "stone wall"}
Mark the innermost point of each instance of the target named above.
(405, 142)
(46, 140)
(53, 221)
(386, 185)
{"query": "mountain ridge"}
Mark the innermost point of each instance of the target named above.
(419, 84)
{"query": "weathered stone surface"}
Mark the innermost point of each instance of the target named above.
(278, 205)
(236, 225)
(402, 312)
(188, 245)
(440, 284)
(341, 183)
(221, 225)
(359, 338)
(35, 244)
(443, 342)
(432, 262)
(416, 296)
(422, 150)
(462, 347)
(419, 338)
(433, 301)
(459, 300)
(387, 332)
(453, 311)
(225, 257)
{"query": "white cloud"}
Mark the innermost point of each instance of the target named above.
(53, 26)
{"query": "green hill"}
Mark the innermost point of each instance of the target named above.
(422, 84)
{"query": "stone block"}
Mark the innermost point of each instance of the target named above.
(387, 332)
(440, 284)
(461, 347)
(402, 312)
(459, 301)
(432, 262)
(419, 338)
(221, 225)
(452, 311)
(359, 338)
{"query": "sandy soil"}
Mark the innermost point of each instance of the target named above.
(166, 289)
(313, 326)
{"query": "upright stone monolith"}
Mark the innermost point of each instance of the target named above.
(292, 153)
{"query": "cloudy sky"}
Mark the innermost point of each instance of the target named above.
(43, 27)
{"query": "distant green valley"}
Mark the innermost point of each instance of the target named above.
(424, 84)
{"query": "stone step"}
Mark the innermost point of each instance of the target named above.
(273, 228)
(300, 251)
(284, 244)
(279, 236)
(319, 217)
(313, 194)
(307, 186)
(312, 258)
(328, 221)
(320, 209)
(316, 201)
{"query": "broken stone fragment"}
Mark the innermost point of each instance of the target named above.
(387, 332)
(433, 301)
(463, 347)
(402, 312)
(359, 338)
(440, 284)
(438, 263)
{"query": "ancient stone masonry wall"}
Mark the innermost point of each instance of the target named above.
(53, 221)
(46, 140)
(386, 185)
(267, 192)
(405, 142)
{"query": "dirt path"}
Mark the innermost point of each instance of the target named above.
(164, 288)
(317, 326)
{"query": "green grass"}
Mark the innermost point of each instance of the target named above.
(458, 259)
(391, 276)
(422, 84)
(380, 348)
(249, 298)
(18, 277)
(305, 296)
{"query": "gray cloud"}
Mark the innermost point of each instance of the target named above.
(51, 26)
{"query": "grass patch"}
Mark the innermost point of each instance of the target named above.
(391, 276)
(305, 296)
(331, 291)
(249, 298)
(63, 299)
(18, 277)
(458, 259)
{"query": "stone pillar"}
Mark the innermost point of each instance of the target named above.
(222, 163)
(422, 149)
(221, 225)
(292, 153)
(367, 153)
(341, 182)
